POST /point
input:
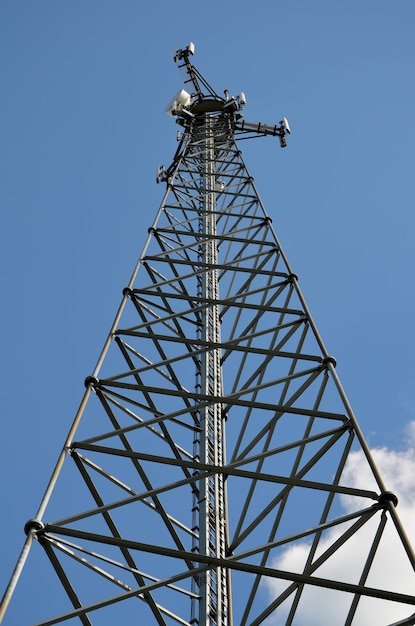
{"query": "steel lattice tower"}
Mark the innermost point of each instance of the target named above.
(213, 438)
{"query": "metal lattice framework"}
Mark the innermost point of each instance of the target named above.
(214, 436)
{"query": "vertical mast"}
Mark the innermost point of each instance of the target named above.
(213, 587)
(210, 504)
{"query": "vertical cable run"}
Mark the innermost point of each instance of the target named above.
(209, 499)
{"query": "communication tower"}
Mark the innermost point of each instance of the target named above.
(205, 479)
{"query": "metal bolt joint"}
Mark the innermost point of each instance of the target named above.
(91, 380)
(386, 497)
(33, 526)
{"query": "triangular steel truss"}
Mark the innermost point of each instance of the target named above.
(214, 436)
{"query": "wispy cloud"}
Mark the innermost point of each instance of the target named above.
(390, 571)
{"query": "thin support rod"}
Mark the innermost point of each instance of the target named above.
(16, 575)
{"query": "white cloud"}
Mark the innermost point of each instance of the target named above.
(320, 608)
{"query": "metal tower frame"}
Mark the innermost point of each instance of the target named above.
(214, 435)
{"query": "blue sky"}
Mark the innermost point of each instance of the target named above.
(82, 124)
